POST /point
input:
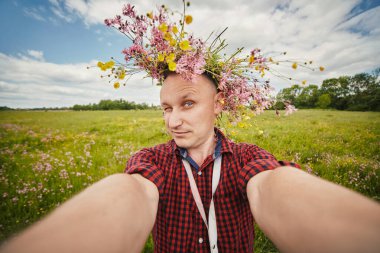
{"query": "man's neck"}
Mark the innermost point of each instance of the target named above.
(200, 153)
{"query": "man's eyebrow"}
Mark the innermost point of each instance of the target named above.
(187, 95)
(183, 97)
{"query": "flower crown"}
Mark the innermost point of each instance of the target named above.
(160, 45)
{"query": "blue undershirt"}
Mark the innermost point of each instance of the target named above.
(193, 164)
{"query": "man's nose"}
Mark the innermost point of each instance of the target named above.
(175, 119)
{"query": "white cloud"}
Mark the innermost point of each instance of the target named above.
(26, 83)
(38, 55)
(34, 13)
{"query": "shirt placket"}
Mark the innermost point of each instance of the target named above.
(202, 236)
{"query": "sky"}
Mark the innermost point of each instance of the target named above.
(47, 45)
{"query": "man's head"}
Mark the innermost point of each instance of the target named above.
(190, 109)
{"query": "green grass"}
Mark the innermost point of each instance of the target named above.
(47, 157)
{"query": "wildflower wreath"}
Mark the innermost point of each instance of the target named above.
(160, 45)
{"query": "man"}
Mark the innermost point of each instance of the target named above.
(299, 212)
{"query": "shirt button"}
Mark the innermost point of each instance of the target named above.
(199, 173)
(200, 240)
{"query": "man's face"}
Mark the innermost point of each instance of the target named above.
(190, 109)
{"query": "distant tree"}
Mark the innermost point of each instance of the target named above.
(324, 101)
(108, 104)
(365, 89)
(5, 108)
(308, 97)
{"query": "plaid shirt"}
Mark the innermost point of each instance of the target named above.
(179, 226)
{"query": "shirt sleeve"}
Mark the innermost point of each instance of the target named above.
(144, 163)
(256, 160)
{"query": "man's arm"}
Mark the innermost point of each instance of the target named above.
(302, 213)
(113, 215)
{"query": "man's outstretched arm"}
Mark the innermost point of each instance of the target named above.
(302, 213)
(115, 214)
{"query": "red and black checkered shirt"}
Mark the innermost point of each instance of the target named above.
(179, 226)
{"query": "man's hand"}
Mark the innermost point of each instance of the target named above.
(115, 214)
(302, 213)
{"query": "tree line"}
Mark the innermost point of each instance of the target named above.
(360, 92)
(108, 104)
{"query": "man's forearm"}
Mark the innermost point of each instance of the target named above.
(303, 213)
(110, 216)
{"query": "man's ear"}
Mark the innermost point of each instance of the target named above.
(218, 103)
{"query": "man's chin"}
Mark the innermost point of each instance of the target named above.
(181, 143)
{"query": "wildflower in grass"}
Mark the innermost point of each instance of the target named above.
(63, 174)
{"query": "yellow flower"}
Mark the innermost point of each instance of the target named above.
(188, 19)
(160, 57)
(294, 66)
(182, 34)
(167, 36)
(172, 66)
(303, 82)
(321, 68)
(270, 59)
(171, 57)
(163, 27)
(121, 74)
(109, 64)
(251, 59)
(150, 15)
(102, 66)
(184, 45)
(173, 42)
(116, 85)
(174, 29)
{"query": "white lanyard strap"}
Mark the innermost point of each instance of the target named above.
(211, 225)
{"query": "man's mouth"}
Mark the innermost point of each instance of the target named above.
(180, 133)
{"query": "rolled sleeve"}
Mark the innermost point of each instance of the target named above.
(256, 160)
(143, 163)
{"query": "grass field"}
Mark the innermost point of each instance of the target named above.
(47, 157)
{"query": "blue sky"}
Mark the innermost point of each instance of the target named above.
(45, 46)
(32, 24)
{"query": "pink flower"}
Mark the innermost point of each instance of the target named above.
(289, 109)
(190, 65)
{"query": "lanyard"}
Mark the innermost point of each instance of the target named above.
(211, 225)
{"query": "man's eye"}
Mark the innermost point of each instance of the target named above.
(188, 104)
(167, 109)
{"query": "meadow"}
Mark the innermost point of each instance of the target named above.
(48, 156)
